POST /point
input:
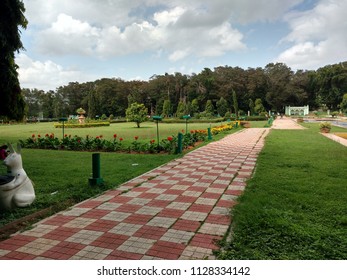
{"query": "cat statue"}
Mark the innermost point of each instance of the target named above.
(16, 189)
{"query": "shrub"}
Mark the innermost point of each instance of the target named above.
(84, 125)
(256, 118)
(325, 125)
(192, 120)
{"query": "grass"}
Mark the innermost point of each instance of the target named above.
(295, 205)
(258, 124)
(147, 131)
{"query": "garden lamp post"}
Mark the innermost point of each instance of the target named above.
(157, 119)
(63, 120)
(186, 117)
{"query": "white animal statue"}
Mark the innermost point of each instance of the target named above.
(16, 189)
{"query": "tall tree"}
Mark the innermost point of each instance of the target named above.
(11, 19)
(280, 91)
(258, 106)
(235, 104)
(209, 109)
(222, 107)
(181, 108)
(166, 108)
(343, 104)
(194, 107)
(251, 107)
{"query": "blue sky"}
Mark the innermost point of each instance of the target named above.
(85, 40)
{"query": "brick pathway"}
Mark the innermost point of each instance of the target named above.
(286, 123)
(176, 211)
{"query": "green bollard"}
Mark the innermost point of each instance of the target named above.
(96, 179)
(179, 143)
(209, 137)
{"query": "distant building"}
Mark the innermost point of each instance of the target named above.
(299, 111)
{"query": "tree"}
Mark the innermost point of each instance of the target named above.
(194, 107)
(11, 18)
(137, 113)
(258, 107)
(236, 104)
(343, 104)
(181, 108)
(251, 107)
(166, 108)
(280, 91)
(222, 107)
(209, 109)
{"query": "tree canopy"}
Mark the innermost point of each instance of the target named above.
(11, 19)
(256, 90)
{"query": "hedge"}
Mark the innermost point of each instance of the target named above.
(76, 125)
(192, 120)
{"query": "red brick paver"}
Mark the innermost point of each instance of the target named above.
(177, 211)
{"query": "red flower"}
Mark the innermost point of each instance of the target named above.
(79, 140)
(100, 136)
(114, 135)
(136, 137)
(65, 135)
(38, 135)
(152, 141)
(170, 138)
(121, 139)
(97, 137)
(33, 136)
(46, 135)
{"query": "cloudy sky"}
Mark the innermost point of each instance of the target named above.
(84, 40)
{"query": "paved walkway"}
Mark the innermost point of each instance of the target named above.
(286, 123)
(176, 211)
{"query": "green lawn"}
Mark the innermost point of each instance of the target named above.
(295, 206)
(147, 131)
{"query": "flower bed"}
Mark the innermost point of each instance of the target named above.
(217, 129)
(98, 143)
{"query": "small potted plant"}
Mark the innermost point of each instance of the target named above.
(325, 127)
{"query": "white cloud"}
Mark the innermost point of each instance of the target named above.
(45, 75)
(182, 28)
(318, 36)
(68, 36)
